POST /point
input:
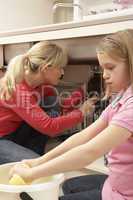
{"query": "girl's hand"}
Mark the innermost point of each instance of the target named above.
(23, 171)
(31, 162)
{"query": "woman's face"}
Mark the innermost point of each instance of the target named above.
(51, 75)
(115, 72)
(46, 75)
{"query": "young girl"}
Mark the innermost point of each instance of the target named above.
(111, 133)
(30, 78)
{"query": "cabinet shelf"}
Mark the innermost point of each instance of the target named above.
(63, 31)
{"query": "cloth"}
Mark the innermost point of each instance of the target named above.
(83, 188)
(23, 106)
(119, 185)
(77, 97)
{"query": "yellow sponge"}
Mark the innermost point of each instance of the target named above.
(47, 179)
(16, 180)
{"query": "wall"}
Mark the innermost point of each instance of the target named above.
(87, 4)
(17, 14)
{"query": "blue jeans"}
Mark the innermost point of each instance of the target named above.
(26, 142)
(12, 152)
(28, 137)
(83, 188)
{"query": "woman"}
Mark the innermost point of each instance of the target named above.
(29, 78)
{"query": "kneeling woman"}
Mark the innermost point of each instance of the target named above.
(29, 78)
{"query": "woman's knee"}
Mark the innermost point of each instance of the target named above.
(12, 152)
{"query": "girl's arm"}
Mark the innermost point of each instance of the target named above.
(73, 141)
(74, 147)
(84, 154)
(79, 156)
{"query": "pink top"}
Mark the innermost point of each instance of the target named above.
(119, 184)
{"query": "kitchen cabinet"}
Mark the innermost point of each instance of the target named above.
(62, 31)
(79, 37)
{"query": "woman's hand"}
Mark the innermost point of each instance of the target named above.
(23, 171)
(88, 106)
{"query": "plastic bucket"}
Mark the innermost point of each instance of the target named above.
(38, 190)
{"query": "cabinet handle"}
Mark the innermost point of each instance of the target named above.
(25, 196)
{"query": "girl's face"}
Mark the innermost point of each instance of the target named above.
(115, 72)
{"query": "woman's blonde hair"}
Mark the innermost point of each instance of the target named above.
(42, 53)
(119, 45)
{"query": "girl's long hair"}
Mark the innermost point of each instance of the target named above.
(119, 45)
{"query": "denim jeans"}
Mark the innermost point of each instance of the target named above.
(28, 137)
(83, 188)
(12, 152)
(26, 142)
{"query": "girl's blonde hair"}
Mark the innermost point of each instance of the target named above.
(119, 45)
(42, 53)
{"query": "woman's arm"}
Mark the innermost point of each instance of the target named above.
(25, 105)
(71, 102)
